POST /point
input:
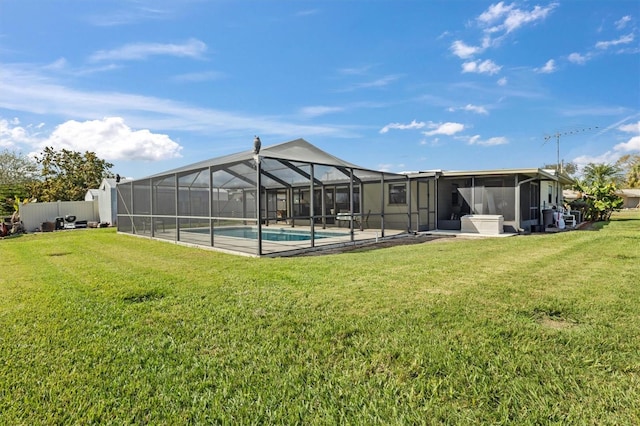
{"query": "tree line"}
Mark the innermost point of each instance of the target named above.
(52, 175)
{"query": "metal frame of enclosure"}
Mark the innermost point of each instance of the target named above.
(281, 199)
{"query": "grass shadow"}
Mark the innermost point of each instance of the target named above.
(144, 296)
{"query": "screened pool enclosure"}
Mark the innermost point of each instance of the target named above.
(283, 198)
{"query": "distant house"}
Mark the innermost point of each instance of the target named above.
(91, 195)
(631, 198)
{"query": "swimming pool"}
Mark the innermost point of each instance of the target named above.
(269, 234)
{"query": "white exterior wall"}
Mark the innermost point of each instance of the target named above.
(552, 189)
(395, 215)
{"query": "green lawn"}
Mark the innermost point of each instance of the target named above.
(97, 327)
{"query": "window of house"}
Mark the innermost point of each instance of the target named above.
(398, 193)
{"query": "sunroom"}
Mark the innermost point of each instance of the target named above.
(277, 200)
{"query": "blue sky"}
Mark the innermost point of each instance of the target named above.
(401, 85)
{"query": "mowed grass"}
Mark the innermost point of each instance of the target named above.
(97, 327)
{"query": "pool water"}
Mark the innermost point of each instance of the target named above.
(273, 234)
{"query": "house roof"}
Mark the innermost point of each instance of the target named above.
(542, 174)
(298, 150)
(629, 192)
(283, 165)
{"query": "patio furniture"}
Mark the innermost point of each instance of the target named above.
(569, 220)
(346, 217)
(281, 215)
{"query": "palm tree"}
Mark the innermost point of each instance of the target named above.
(601, 173)
(633, 176)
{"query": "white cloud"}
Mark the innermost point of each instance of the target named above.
(508, 18)
(497, 21)
(192, 48)
(399, 126)
(62, 66)
(316, 111)
(577, 58)
(58, 64)
(622, 22)
(463, 51)
(630, 128)
(476, 108)
(608, 158)
(433, 142)
(517, 18)
(503, 81)
(495, 12)
(514, 18)
(548, 68)
(11, 134)
(447, 129)
(626, 39)
(611, 156)
(485, 67)
(632, 144)
(471, 108)
(390, 167)
(381, 82)
(581, 59)
(135, 12)
(27, 89)
(111, 139)
(499, 140)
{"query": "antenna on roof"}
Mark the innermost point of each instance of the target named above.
(557, 136)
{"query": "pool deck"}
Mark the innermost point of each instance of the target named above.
(249, 247)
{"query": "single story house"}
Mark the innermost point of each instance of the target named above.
(631, 198)
(91, 195)
(293, 196)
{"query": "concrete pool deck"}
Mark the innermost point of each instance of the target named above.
(249, 247)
